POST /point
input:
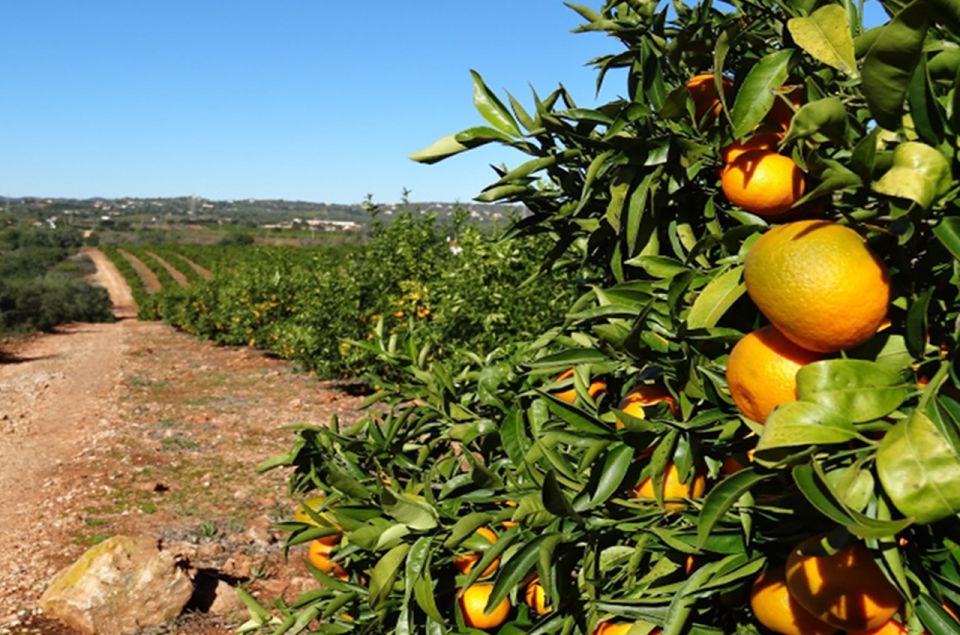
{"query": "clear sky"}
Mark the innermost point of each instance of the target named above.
(297, 99)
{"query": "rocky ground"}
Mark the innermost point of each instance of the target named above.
(135, 428)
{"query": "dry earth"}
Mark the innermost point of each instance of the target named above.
(133, 427)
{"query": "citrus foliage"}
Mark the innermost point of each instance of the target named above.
(611, 518)
(305, 304)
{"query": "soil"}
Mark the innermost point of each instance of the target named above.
(135, 428)
(178, 277)
(205, 273)
(151, 283)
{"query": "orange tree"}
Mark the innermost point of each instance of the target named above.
(840, 507)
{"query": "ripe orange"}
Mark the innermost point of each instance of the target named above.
(781, 114)
(762, 372)
(570, 395)
(774, 608)
(319, 556)
(703, 90)
(314, 503)
(819, 284)
(465, 563)
(893, 627)
(847, 590)
(735, 462)
(672, 488)
(618, 628)
(637, 399)
(762, 182)
(761, 141)
(472, 602)
(536, 597)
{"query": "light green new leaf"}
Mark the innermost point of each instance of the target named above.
(919, 173)
(858, 390)
(407, 509)
(491, 108)
(439, 150)
(384, 573)
(825, 34)
(801, 423)
(919, 470)
(825, 116)
(718, 296)
(756, 94)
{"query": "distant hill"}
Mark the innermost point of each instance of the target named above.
(250, 212)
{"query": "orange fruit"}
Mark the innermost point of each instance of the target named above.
(819, 284)
(570, 395)
(637, 399)
(472, 602)
(536, 597)
(762, 182)
(618, 628)
(465, 563)
(847, 589)
(314, 503)
(735, 462)
(672, 488)
(774, 608)
(762, 372)
(319, 556)
(761, 141)
(893, 627)
(781, 114)
(703, 90)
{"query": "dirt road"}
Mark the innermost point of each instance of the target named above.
(133, 427)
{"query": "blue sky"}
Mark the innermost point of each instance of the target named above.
(297, 99)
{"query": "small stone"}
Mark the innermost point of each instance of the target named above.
(226, 602)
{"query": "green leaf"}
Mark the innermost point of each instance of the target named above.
(756, 94)
(825, 35)
(825, 116)
(919, 173)
(554, 500)
(722, 496)
(810, 481)
(948, 233)
(465, 527)
(919, 470)
(917, 323)
(515, 570)
(615, 466)
(439, 150)
(570, 358)
(718, 296)
(412, 511)
(852, 486)
(890, 62)
(855, 389)
(801, 423)
(491, 108)
(384, 574)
